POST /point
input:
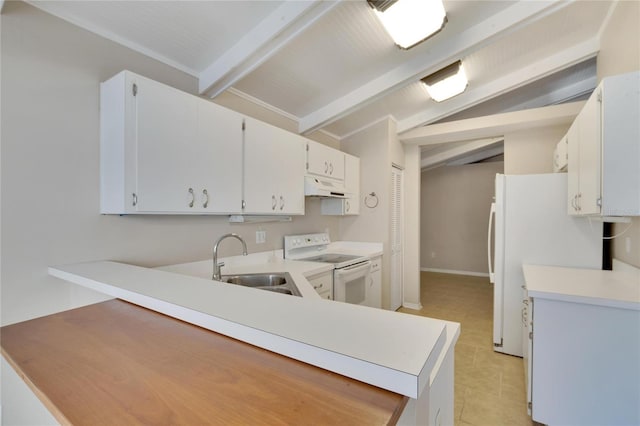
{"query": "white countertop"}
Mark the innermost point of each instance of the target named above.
(272, 261)
(387, 349)
(591, 286)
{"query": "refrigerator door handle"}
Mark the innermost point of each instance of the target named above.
(492, 214)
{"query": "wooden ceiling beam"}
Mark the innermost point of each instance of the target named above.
(282, 26)
(441, 54)
(492, 125)
(514, 80)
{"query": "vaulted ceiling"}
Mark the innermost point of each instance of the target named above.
(331, 66)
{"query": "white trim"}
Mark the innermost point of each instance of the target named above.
(366, 126)
(456, 272)
(278, 29)
(261, 103)
(521, 77)
(501, 24)
(116, 39)
(456, 153)
(492, 125)
(269, 107)
(414, 306)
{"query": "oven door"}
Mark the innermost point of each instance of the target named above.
(350, 284)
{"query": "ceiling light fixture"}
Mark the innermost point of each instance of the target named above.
(446, 83)
(410, 22)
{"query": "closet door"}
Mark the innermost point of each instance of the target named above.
(397, 210)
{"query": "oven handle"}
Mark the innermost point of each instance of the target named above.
(354, 268)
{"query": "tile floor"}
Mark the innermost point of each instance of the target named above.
(489, 386)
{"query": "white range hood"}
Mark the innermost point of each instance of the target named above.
(319, 187)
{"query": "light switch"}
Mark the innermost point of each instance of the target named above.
(261, 237)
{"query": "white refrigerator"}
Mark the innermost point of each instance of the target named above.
(529, 224)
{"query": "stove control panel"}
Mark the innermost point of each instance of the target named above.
(297, 243)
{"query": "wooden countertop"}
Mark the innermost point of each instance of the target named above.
(118, 363)
(390, 350)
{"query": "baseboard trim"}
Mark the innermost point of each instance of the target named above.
(414, 306)
(456, 272)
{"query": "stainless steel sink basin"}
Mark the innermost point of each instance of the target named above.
(280, 282)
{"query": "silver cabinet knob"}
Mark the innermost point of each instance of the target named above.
(274, 202)
(281, 202)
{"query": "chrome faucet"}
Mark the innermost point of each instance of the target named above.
(216, 265)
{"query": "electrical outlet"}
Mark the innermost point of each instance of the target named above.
(261, 237)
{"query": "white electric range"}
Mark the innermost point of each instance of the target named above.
(351, 274)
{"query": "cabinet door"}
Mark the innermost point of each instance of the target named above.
(590, 158)
(217, 160)
(324, 161)
(352, 184)
(290, 159)
(165, 130)
(350, 205)
(573, 169)
(273, 170)
(374, 293)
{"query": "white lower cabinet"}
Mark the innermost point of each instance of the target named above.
(585, 364)
(323, 284)
(274, 163)
(374, 292)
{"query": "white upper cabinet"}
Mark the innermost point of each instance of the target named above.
(218, 159)
(604, 151)
(274, 162)
(166, 151)
(324, 161)
(351, 204)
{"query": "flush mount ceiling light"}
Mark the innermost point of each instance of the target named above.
(410, 22)
(446, 83)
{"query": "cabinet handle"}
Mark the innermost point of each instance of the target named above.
(134, 199)
(206, 198)
(274, 202)
(315, 287)
(578, 203)
(348, 206)
(573, 203)
(326, 167)
(193, 197)
(330, 168)
(281, 202)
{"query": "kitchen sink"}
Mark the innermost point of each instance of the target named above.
(280, 282)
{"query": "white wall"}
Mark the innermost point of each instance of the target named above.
(531, 151)
(412, 218)
(50, 73)
(378, 147)
(619, 54)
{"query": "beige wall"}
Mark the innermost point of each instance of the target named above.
(378, 147)
(620, 53)
(455, 204)
(412, 218)
(531, 151)
(50, 78)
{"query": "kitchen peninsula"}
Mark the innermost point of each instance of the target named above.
(408, 355)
